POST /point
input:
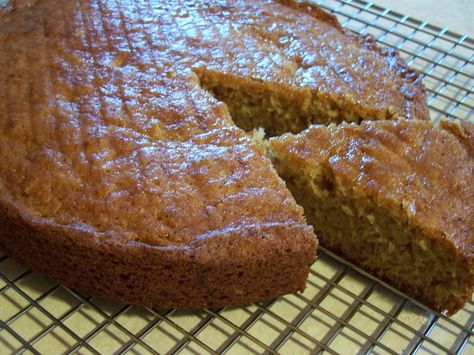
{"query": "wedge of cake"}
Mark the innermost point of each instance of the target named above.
(394, 197)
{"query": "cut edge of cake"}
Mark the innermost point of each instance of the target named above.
(280, 108)
(423, 261)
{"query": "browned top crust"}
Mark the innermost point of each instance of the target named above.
(104, 127)
(349, 69)
(105, 130)
(415, 168)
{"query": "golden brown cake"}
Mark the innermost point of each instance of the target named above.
(394, 197)
(120, 173)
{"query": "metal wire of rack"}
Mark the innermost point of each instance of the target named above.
(343, 309)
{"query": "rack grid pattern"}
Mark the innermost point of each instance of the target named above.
(343, 309)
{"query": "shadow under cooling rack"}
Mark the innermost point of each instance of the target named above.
(343, 309)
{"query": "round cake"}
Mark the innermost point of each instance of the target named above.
(125, 166)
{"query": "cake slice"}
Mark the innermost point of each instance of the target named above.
(394, 197)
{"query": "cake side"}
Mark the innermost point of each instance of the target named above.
(220, 269)
(392, 197)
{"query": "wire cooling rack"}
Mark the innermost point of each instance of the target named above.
(343, 309)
